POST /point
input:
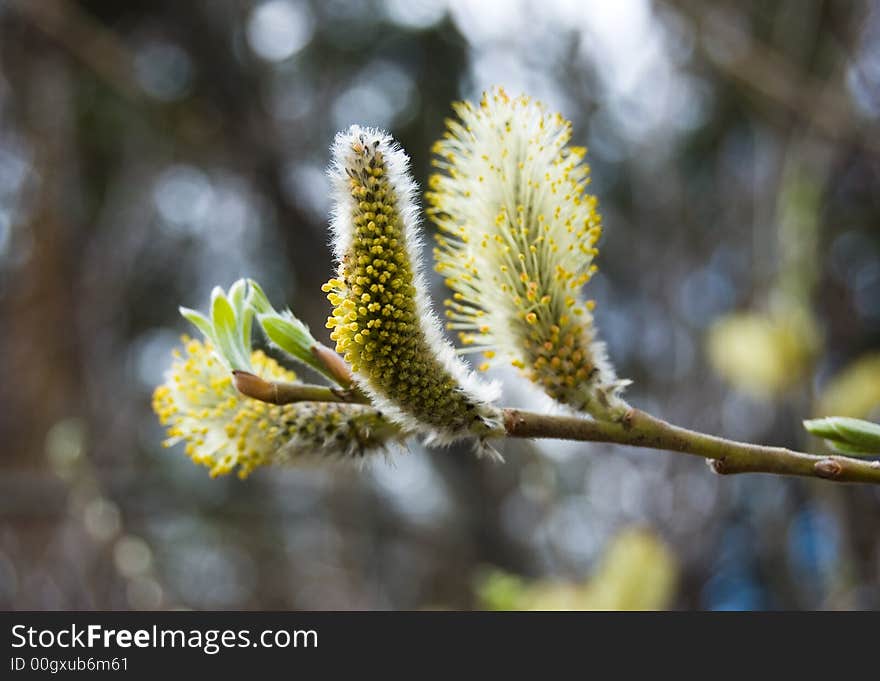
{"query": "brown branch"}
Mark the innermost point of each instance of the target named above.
(335, 365)
(636, 429)
(277, 392)
(726, 457)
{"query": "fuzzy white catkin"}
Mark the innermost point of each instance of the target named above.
(518, 235)
(382, 319)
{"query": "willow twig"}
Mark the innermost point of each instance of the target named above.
(636, 429)
(278, 392)
(336, 366)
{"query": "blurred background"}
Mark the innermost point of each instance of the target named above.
(150, 150)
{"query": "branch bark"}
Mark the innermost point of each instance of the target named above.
(726, 457)
(636, 429)
(279, 392)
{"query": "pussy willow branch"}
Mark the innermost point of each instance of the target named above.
(278, 392)
(636, 429)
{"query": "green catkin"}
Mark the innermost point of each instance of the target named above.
(382, 322)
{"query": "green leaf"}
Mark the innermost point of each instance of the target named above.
(200, 321)
(292, 336)
(231, 322)
(236, 295)
(849, 450)
(859, 433)
(226, 330)
(258, 299)
(239, 297)
(821, 428)
(854, 437)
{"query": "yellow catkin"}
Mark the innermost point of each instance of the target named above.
(516, 243)
(226, 431)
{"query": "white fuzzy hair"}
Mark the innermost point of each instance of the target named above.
(397, 168)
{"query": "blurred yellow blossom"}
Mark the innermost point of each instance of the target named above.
(764, 355)
(855, 391)
(636, 572)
